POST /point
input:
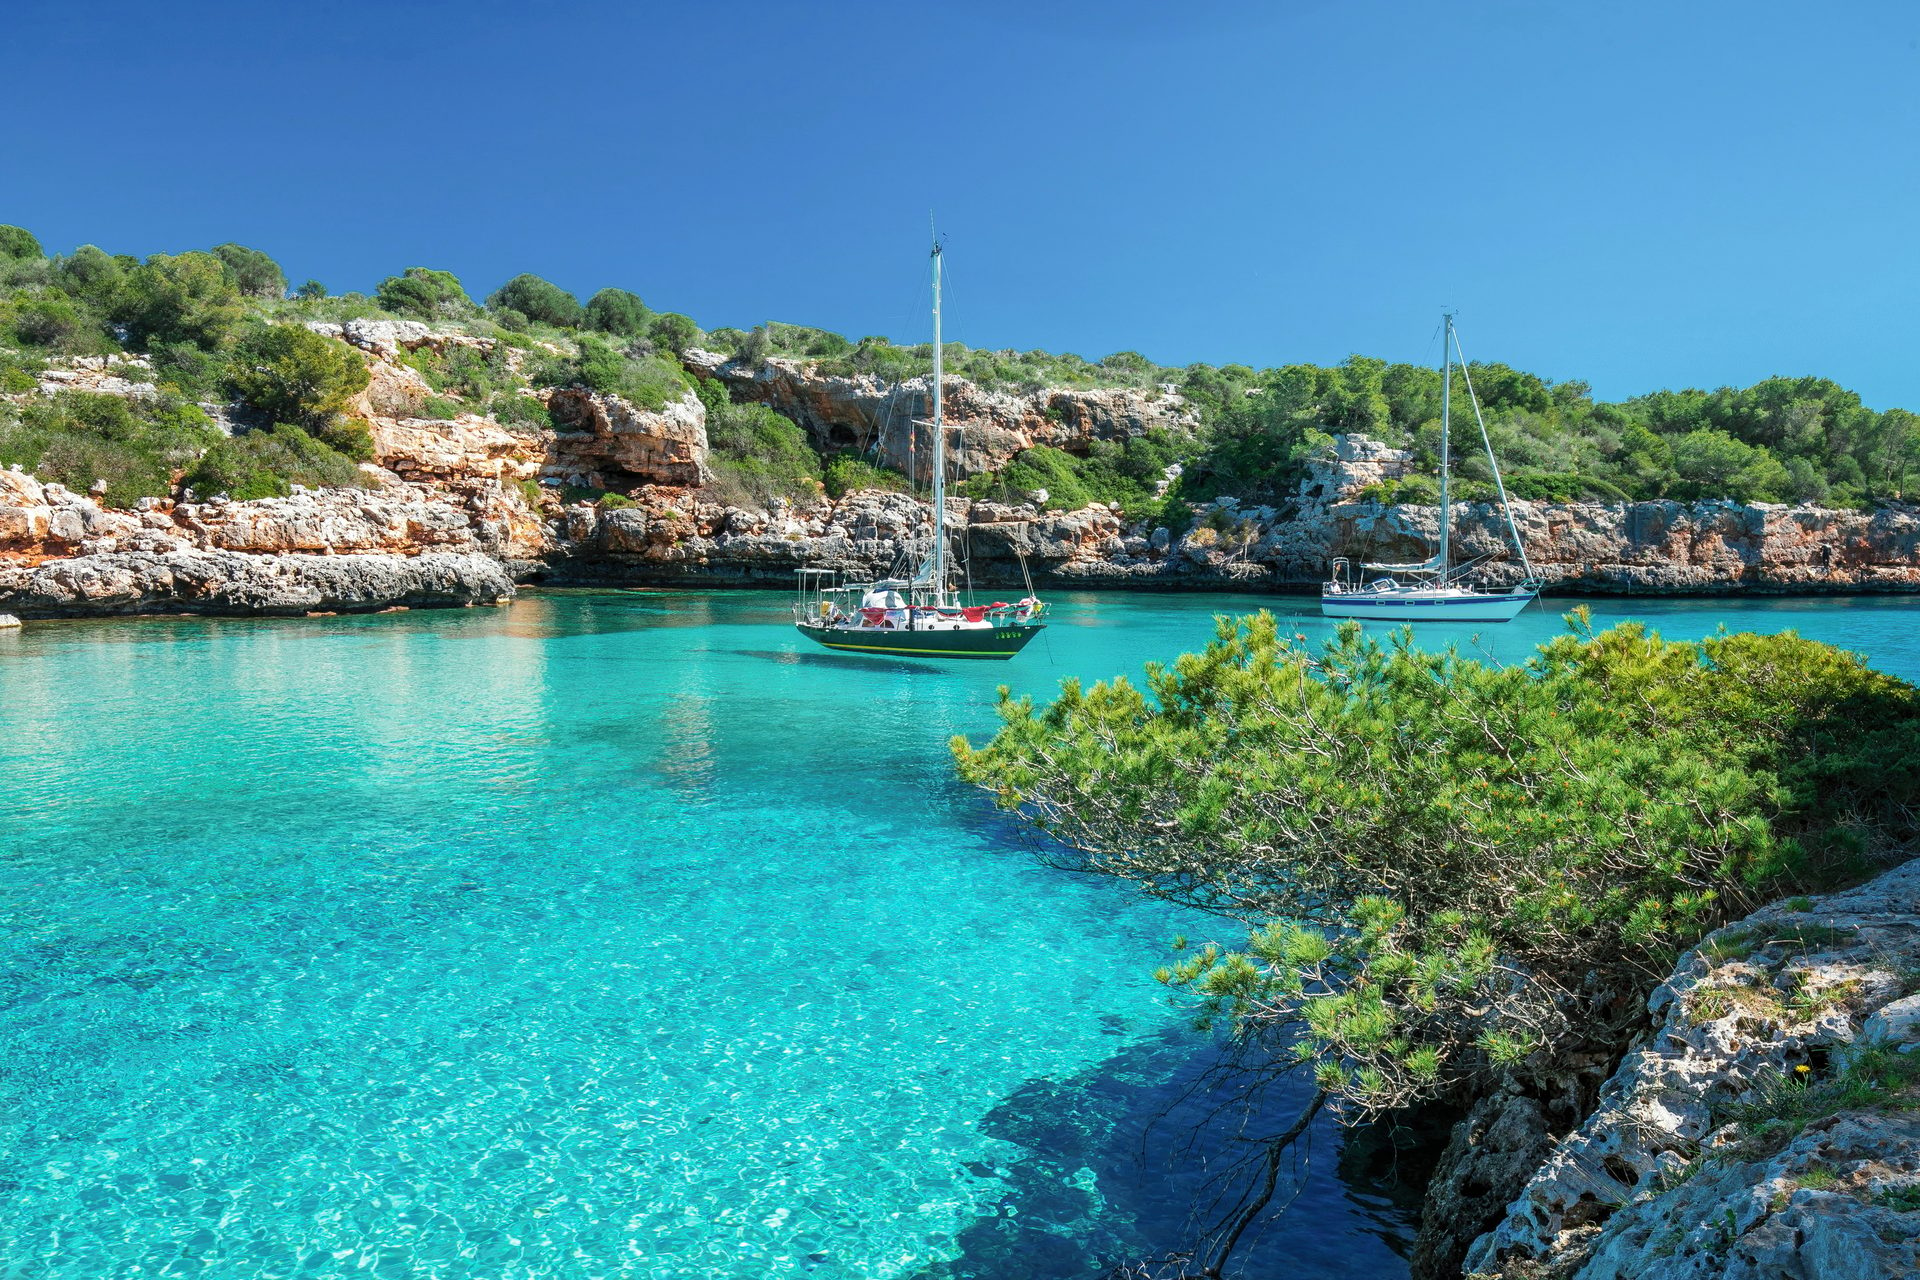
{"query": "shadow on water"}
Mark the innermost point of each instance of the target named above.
(1146, 1154)
(840, 661)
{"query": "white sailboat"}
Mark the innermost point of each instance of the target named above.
(1436, 590)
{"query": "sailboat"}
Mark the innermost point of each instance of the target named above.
(917, 614)
(1436, 589)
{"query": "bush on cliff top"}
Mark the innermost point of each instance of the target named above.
(649, 380)
(185, 297)
(425, 294)
(617, 312)
(254, 273)
(1449, 868)
(18, 242)
(538, 300)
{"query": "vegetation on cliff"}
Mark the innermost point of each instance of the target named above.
(202, 318)
(1783, 439)
(1450, 869)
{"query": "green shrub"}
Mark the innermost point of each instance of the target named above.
(466, 372)
(1433, 853)
(650, 381)
(310, 291)
(425, 293)
(292, 374)
(440, 408)
(617, 312)
(18, 242)
(756, 455)
(254, 273)
(614, 501)
(525, 410)
(537, 299)
(94, 276)
(191, 370)
(19, 371)
(267, 463)
(186, 297)
(135, 445)
(53, 321)
(351, 438)
(844, 474)
(754, 347)
(1412, 491)
(1713, 464)
(1127, 472)
(673, 332)
(1564, 486)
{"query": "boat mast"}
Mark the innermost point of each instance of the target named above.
(939, 450)
(1446, 403)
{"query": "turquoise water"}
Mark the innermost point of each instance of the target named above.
(612, 934)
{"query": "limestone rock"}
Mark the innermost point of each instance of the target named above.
(610, 443)
(1821, 1209)
(386, 339)
(1780, 990)
(1493, 1152)
(132, 582)
(866, 412)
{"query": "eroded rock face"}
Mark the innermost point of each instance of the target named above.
(386, 339)
(61, 553)
(865, 412)
(1651, 1185)
(1497, 1146)
(185, 581)
(605, 442)
(112, 375)
(674, 536)
(1819, 1209)
(430, 450)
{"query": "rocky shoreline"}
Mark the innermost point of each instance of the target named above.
(674, 538)
(496, 491)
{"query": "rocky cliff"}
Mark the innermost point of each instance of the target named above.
(1635, 548)
(1767, 1126)
(870, 414)
(478, 485)
(64, 554)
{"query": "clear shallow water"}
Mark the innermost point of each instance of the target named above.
(611, 934)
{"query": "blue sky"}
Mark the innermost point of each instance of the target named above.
(1637, 194)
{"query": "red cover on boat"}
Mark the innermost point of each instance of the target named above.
(874, 617)
(974, 613)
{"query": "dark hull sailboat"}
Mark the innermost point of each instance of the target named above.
(997, 643)
(918, 614)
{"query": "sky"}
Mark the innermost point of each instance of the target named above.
(1638, 195)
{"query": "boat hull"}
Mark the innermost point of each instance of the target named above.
(1409, 607)
(997, 643)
